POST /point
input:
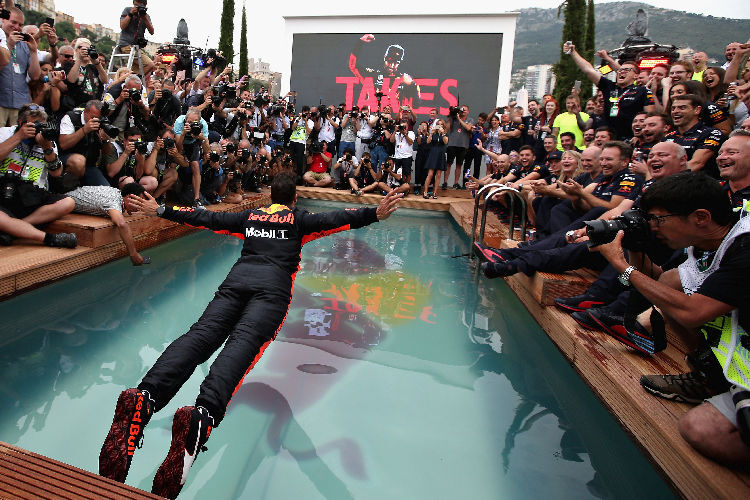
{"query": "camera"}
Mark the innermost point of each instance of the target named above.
(8, 181)
(141, 146)
(230, 147)
(166, 94)
(141, 10)
(633, 222)
(401, 127)
(108, 128)
(196, 128)
(26, 37)
(348, 156)
(315, 148)
(134, 94)
(221, 91)
(47, 131)
(214, 156)
(93, 53)
(453, 111)
(244, 154)
(169, 143)
(140, 41)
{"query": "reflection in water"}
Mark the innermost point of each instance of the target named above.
(396, 374)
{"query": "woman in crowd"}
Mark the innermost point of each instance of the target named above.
(713, 79)
(436, 163)
(544, 128)
(546, 192)
(45, 91)
(492, 143)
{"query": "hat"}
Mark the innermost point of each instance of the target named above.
(554, 155)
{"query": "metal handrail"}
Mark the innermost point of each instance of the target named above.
(478, 197)
(513, 193)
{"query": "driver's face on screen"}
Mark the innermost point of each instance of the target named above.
(391, 65)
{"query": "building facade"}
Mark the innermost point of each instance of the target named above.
(540, 80)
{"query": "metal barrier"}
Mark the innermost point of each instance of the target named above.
(498, 189)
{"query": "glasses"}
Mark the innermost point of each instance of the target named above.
(67, 56)
(625, 70)
(658, 220)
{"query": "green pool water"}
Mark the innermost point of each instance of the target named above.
(398, 374)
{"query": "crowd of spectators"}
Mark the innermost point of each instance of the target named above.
(74, 138)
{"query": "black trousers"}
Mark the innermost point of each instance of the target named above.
(473, 155)
(245, 320)
(297, 149)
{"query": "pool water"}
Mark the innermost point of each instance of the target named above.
(398, 374)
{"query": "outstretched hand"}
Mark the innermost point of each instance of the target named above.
(388, 204)
(135, 203)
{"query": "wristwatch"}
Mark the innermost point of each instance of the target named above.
(48, 151)
(625, 276)
(160, 210)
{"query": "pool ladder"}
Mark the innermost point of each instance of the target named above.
(485, 194)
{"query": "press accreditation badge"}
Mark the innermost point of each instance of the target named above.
(17, 68)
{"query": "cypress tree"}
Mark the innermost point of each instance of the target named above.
(589, 46)
(243, 44)
(226, 37)
(566, 71)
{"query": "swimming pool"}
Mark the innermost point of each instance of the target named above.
(396, 375)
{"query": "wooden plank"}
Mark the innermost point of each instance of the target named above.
(24, 474)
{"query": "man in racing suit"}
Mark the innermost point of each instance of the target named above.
(245, 315)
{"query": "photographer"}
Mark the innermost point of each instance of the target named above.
(348, 139)
(343, 171)
(396, 180)
(302, 126)
(14, 92)
(460, 128)
(327, 124)
(134, 21)
(214, 179)
(365, 176)
(706, 299)
(165, 159)
(125, 163)
(81, 139)
(279, 123)
(86, 75)
(403, 139)
(364, 125)
(319, 161)
(381, 139)
(127, 103)
(164, 105)
(27, 161)
(192, 132)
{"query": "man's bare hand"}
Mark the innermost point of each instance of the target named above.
(388, 204)
(369, 37)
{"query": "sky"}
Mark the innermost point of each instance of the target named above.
(265, 32)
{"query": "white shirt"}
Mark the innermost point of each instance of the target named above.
(403, 148)
(67, 127)
(365, 131)
(327, 132)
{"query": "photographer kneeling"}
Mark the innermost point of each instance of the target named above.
(126, 162)
(164, 159)
(83, 133)
(705, 299)
(318, 160)
(343, 171)
(27, 159)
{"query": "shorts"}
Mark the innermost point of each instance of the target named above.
(723, 402)
(145, 60)
(404, 164)
(28, 198)
(192, 151)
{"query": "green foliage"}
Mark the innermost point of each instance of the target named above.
(566, 71)
(65, 29)
(226, 37)
(103, 44)
(243, 44)
(254, 85)
(34, 17)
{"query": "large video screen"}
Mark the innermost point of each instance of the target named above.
(421, 70)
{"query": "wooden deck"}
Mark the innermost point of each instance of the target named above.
(27, 475)
(608, 367)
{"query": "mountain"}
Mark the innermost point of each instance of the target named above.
(539, 31)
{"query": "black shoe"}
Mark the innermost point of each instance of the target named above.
(586, 321)
(132, 413)
(61, 240)
(5, 239)
(613, 324)
(444, 186)
(191, 428)
(692, 387)
(578, 302)
(198, 205)
(456, 186)
(498, 269)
